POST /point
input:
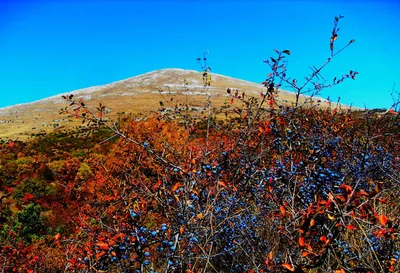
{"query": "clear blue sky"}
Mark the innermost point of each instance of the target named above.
(51, 47)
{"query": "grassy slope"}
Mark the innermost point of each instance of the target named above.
(138, 95)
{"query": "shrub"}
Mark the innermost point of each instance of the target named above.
(278, 188)
(29, 224)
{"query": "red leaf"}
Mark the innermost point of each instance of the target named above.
(282, 209)
(346, 188)
(351, 227)
(363, 193)
(341, 198)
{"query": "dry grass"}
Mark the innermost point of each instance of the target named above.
(138, 95)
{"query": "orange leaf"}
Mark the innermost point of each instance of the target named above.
(231, 102)
(244, 116)
(200, 215)
(282, 208)
(312, 222)
(103, 246)
(288, 267)
(101, 254)
(305, 254)
(118, 237)
(175, 187)
(301, 241)
(383, 219)
(57, 236)
(181, 229)
(339, 271)
(221, 183)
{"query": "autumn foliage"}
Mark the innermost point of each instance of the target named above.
(268, 189)
(311, 186)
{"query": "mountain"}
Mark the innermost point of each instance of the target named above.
(137, 95)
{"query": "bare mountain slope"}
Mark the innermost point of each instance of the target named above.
(140, 94)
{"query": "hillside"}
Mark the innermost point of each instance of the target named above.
(136, 95)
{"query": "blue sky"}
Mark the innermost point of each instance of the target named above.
(52, 47)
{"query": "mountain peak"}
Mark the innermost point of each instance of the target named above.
(139, 94)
